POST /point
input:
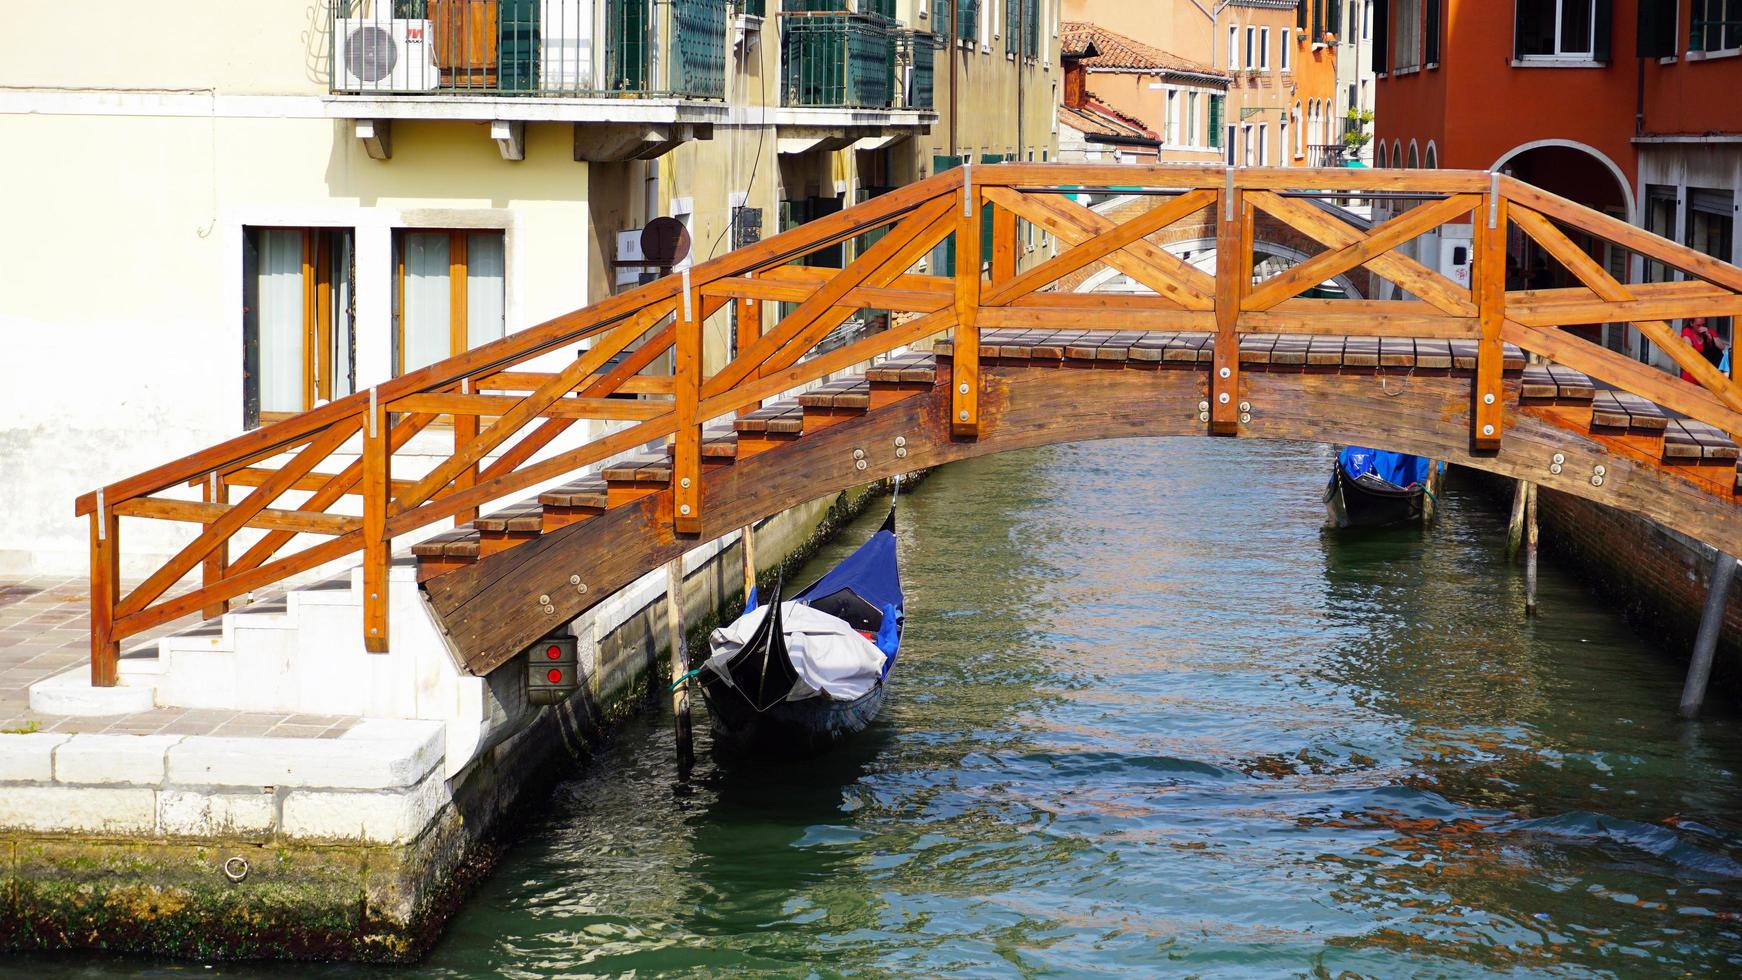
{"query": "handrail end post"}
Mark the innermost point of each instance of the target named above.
(105, 581)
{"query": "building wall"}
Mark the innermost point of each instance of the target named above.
(972, 78)
(1355, 66)
(1315, 91)
(1146, 96)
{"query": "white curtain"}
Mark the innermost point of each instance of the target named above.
(280, 320)
(484, 287)
(344, 330)
(424, 309)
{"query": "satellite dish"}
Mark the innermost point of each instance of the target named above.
(665, 242)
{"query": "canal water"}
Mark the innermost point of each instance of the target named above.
(1152, 719)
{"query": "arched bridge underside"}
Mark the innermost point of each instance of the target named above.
(548, 524)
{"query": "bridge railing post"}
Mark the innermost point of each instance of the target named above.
(686, 471)
(105, 581)
(377, 542)
(1488, 284)
(1233, 274)
(465, 430)
(965, 361)
(212, 570)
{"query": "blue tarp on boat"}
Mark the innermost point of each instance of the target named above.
(1397, 469)
(870, 571)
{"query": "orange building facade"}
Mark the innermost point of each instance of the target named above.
(1629, 106)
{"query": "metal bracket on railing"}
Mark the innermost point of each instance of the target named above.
(967, 189)
(688, 313)
(1493, 198)
(1228, 196)
(102, 517)
(372, 413)
(465, 386)
(214, 481)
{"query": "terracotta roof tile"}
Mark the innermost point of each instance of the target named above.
(1112, 50)
(1103, 120)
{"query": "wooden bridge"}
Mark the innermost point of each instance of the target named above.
(1012, 364)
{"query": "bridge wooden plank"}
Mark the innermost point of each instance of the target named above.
(1051, 177)
(1627, 310)
(200, 512)
(569, 407)
(1433, 354)
(532, 380)
(1443, 293)
(882, 298)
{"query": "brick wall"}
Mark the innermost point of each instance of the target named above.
(1656, 577)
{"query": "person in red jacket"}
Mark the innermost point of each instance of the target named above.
(1704, 339)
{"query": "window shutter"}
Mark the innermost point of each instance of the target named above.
(1215, 120)
(1381, 34)
(1334, 17)
(1300, 7)
(1518, 14)
(1318, 21)
(1656, 28)
(1430, 32)
(1603, 17)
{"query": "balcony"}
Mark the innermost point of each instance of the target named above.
(1327, 155)
(852, 77)
(640, 73)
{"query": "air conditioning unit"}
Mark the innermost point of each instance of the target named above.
(384, 55)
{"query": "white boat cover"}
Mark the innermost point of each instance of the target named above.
(830, 656)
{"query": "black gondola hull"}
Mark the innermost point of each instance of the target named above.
(1368, 501)
(790, 728)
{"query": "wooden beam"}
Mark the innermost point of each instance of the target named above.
(533, 380)
(199, 512)
(1075, 317)
(105, 586)
(237, 583)
(1004, 245)
(1233, 275)
(965, 364)
(1321, 226)
(686, 476)
(1620, 298)
(1488, 285)
(1098, 247)
(906, 300)
(567, 407)
(377, 542)
(1382, 239)
(215, 490)
(1145, 262)
(1628, 311)
(1170, 176)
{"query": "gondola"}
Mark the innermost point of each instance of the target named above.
(795, 677)
(1375, 488)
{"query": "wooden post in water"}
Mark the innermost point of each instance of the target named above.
(1430, 501)
(747, 545)
(1706, 642)
(1530, 550)
(1515, 526)
(680, 692)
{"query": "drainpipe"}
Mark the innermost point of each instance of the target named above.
(1021, 65)
(950, 33)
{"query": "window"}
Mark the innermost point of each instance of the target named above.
(1283, 52)
(1263, 144)
(1660, 215)
(1379, 156)
(1406, 35)
(1233, 49)
(1264, 48)
(1229, 133)
(1251, 56)
(1716, 25)
(1354, 32)
(1414, 156)
(1191, 119)
(1246, 149)
(1561, 29)
(1282, 140)
(1432, 160)
(449, 296)
(1170, 129)
(298, 320)
(968, 20)
(1215, 122)
(1367, 21)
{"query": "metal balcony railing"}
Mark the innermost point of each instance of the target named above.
(529, 47)
(1327, 155)
(834, 59)
(916, 66)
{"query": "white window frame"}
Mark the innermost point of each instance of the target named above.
(1561, 52)
(1233, 48)
(1282, 141)
(1407, 47)
(1264, 49)
(1251, 41)
(1246, 145)
(1191, 118)
(1228, 135)
(1697, 55)
(1170, 124)
(1263, 144)
(1283, 54)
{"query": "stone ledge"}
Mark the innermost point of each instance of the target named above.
(99, 809)
(376, 754)
(136, 760)
(28, 758)
(71, 693)
(386, 818)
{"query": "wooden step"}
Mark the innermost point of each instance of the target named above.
(1618, 411)
(513, 525)
(574, 502)
(899, 377)
(719, 446)
(635, 477)
(1554, 384)
(835, 402)
(769, 426)
(446, 552)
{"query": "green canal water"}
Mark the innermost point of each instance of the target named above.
(1151, 719)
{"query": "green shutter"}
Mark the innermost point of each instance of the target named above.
(699, 48)
(626, 52)
(968, 19)
(1216, 120)
(517, 45)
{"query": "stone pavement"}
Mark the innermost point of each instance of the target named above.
(45, 629)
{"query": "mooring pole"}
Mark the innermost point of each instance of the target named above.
(1706, 641)
(1430, 504)
(680, 692)
(1515, 526)
(1530, 550)
(747, 544)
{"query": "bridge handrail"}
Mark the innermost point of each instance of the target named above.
(642, 324)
